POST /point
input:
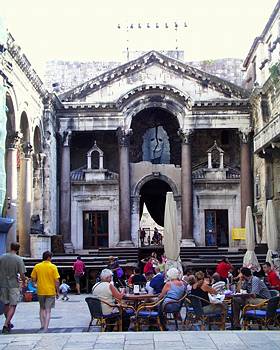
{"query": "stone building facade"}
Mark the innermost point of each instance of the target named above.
(262, 75)
(83, 163)
(30, 134)
(155, 119)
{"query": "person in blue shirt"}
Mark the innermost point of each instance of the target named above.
(157, 282)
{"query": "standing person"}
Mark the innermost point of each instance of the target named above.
(11, 265)
(142, 237)
(79, 270)
(273, 279)
(223, 269)
(46, 275)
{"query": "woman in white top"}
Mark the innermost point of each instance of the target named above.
(105, 290)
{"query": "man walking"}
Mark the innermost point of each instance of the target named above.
(11, 265)
(46, 275)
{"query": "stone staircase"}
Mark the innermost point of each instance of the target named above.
(192, 257)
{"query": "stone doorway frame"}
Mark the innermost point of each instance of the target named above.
(135, 202)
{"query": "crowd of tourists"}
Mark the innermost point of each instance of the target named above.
(152, 277)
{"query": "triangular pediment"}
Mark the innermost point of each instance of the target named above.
(153, 69)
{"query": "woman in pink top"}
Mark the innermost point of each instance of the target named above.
(79, 271)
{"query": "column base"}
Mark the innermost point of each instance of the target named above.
(187, 242)
(125, 244)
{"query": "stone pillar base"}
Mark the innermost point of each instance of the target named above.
(125, 244)
(187, 242)
(39, 244)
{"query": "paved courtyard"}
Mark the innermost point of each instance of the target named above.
(69, 324)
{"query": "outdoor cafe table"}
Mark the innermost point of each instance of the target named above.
(137, 299)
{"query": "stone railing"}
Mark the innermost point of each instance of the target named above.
(267, 134)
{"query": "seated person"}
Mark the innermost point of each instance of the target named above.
(138, 278)
(189, 280)
(157, 282)
(105, 290)
(173, 290)
(30, 286)
(273, 278)
(217, 284)
(255, 287)
(201, 289)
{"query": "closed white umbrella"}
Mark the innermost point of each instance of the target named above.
(171, 239)
(271, 231)
(250, 259)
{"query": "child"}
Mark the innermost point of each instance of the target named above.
(64, 288)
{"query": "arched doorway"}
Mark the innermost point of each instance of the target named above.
(152, 207)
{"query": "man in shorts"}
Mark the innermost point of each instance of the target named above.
(46, 275)
(11, 267)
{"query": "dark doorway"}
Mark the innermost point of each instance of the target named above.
(153, 194)
(216, 228)
(95, 229)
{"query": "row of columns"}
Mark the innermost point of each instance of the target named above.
(20, 208)
(124, 185)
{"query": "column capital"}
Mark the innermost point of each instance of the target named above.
(66, 138)
(14, 139)
(244, 134)
(27, 149)
(124, 136)
(185, 135)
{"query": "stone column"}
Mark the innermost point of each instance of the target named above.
(65, 189)
(186, 188)
(124, 188)
(25, 188)
(246, 177)
(12, 186)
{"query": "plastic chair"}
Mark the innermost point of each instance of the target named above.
(210, 318)
(147, 313)
(95, 309)
(174, 315)
(263, 314)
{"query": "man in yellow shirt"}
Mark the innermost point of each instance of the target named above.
(46, 275)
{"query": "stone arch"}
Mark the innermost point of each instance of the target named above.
(37, 140)
(11, 115)
(137, 188)
(24, 127)
(166, 97)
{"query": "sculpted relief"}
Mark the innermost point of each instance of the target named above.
(155, 147)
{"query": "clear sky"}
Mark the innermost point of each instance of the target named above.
(87, 29)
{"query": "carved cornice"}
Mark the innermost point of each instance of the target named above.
(179, 68)
(124, 136)
(185, 135)
(159, 89)
(25, 66)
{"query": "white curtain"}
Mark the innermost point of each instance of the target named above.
(250, 259)
(271, 231)
(171, 239)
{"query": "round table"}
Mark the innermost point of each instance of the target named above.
(137, 299)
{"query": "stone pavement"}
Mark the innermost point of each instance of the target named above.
(70, 320)
(266, 340)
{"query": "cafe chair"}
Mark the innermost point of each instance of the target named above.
(198, 316)
(103, 321)
(148, 313)
(263, 314)
(174, 315)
